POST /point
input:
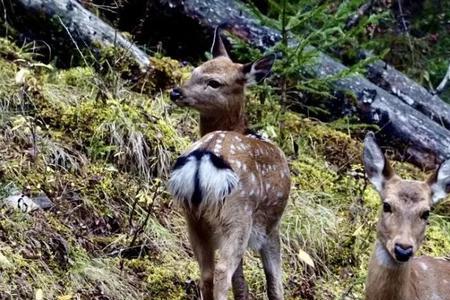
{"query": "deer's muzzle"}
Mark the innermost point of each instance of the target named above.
(176, 94)
(402, 252)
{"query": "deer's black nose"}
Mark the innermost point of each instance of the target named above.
(176, 94)
(403, 252)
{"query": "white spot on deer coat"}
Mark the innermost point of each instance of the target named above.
(435, 297)
(241, 147)
(423, 266)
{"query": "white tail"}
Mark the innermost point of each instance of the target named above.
(233, 185)
(202, 179)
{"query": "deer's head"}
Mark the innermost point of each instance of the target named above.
(217, 86)
(406, 203)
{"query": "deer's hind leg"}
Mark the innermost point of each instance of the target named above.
(240, 290)
(231, 251)
(271, 259)
(203, 248)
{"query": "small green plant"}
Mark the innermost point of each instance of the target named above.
(307, 29)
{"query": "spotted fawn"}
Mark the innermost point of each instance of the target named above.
(232, 184)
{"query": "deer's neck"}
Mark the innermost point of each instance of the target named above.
(388, 279)
(233, 120)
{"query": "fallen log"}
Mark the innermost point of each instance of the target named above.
(409, 91)
(81, 26)
(427, 141)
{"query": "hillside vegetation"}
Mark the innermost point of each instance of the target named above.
(101, 150)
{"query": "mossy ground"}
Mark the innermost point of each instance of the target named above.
(102, 151)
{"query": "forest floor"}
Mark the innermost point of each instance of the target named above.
(101, 149)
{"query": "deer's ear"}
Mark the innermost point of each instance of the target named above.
(377, 167)
(218, 47)
(440, 182)
(256, 71)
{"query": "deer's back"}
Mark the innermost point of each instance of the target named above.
(252, 174)
(260, 165)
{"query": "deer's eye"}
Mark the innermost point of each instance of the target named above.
(425, 215)
(214, 84)
(387, 207)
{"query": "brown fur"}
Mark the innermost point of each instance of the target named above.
(219, 110)
(252, 212)
(420, 278)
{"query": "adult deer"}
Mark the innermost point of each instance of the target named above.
(394, 274)
(232, 185)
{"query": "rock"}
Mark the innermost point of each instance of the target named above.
(27, 204)
(43, 201)
(4, 262)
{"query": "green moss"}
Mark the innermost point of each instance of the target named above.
(437, 242)
(115, 64)
(166, 73)
(165, 281)
(78, 76)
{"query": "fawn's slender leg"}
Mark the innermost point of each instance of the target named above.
(240, 290)
(204, 253)
(271, 259)
(231, 251)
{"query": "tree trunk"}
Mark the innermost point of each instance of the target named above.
(410, 92)
(80, 26)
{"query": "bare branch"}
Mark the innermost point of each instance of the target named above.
(362, 11)
(442, 85)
